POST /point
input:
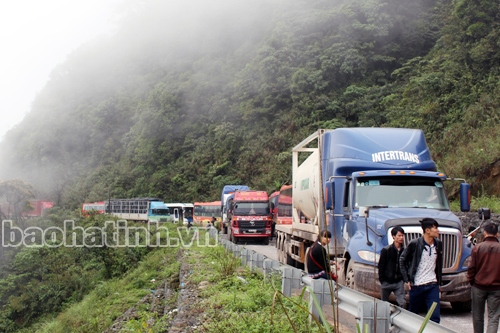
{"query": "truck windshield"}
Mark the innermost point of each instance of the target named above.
(251, 208)
(400, 192)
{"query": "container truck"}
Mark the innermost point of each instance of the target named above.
(228, 190)
(281, 205)
(249, 216)
(359, 183)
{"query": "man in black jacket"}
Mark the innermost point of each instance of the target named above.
(389, 272)
(422, 269)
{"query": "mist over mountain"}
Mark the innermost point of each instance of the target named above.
(189, 96)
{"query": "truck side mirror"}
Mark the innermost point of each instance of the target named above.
(464, 197)
(330, 195)
(484, 213)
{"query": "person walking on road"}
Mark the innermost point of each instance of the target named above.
(484, 276)
(421, 266)
(389, 273)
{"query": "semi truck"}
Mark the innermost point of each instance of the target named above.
(359, 183)
(227, 191)
(281, 205)
(249, 216)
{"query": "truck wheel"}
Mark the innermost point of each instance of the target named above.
(461, 306)
(349, 277)
(265, 241)
(279, 246)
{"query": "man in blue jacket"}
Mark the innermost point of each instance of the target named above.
(422, 269)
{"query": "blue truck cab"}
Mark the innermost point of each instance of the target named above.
(377, 178)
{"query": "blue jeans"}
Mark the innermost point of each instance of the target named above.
(422, 297)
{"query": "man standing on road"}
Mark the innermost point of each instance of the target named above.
(389, 272)
(421, 265)
(484, 277)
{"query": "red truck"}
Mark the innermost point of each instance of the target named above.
(250, 216)
(281, 205)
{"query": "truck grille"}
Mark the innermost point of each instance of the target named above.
(451, 245)
(242, 224)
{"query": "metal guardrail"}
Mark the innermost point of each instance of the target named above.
(389, 317)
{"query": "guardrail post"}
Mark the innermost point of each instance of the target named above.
(372, 313)
(269, 266)
(257, 260)
(244, 256)
(292, 279)
(320, 289)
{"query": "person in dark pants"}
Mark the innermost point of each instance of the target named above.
(484, 276)
(421, 266)
(318, 261)
(273, 228)
(389, 273)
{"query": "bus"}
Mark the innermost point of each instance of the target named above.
(181, 212)
(138, 209)
(89, 208)
(204, 211)
(281, 205)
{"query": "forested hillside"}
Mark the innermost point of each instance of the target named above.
(181, 101)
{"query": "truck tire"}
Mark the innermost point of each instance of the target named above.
(279, 246)
(349, 276)
(265, 241)
(461, 306)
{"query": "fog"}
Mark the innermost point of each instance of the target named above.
(74, 55)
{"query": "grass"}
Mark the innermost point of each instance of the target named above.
(237, 299)
(233, 298)
(491, 202)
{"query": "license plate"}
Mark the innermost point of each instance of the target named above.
(252, 231)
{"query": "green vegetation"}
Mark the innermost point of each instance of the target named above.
(233, 298)
(148, 114)
(41, 281)
(171, 109)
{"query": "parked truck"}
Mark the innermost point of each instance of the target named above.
(249, 216)
(359, 183)
(281, 205)
(227, 191)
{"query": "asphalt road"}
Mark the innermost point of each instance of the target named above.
(458, 322)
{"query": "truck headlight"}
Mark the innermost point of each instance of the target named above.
(368, 256)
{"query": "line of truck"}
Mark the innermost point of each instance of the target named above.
(359, 183)
(246, 214)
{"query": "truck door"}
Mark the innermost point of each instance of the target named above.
(176, 214)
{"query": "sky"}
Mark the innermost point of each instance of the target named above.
(36, 36)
